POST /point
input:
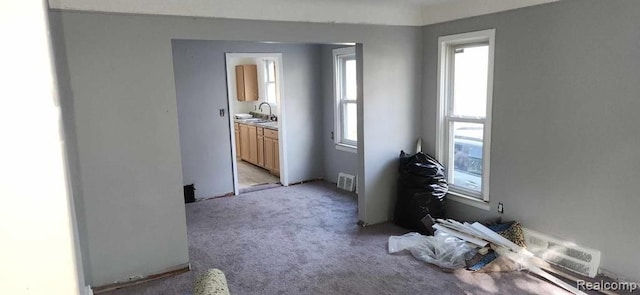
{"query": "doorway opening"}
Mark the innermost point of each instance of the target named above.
(235, 133)
(254, 90)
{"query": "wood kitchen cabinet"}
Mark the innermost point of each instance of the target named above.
(271, 151)
(236, 129)
(247, 82)
(244, 142)
(258, 146)
(276, 158)
(248, 143)
(253, 145)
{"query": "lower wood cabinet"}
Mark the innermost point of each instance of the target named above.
(236, 129)
(276, 156)
(258, 146)
(271, 151)
(244, 142)
(253, 145)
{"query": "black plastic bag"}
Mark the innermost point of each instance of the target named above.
(422, 187)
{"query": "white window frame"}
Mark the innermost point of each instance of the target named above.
(266, 81)
(340, 55)
(446, 46)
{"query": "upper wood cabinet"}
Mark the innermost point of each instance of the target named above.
(247, 82)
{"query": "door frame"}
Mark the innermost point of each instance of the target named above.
(282, 134)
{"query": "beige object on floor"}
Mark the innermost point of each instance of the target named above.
(212, 282)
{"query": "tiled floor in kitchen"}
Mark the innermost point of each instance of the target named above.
(250, 177)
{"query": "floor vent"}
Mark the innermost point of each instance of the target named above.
(346, 182)
(564, 254)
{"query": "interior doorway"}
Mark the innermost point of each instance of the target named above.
(297, 144)
(255, 97)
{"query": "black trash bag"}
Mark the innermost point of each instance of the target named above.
(422, 187)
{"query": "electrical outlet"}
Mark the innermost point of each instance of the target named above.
(500, 208)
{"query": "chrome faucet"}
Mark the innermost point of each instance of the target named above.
(266, 103)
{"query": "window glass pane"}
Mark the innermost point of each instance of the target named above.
(271, 71)
(271, 92)
(470, 66)
(350, 123)
(467, 155)
(350, 87)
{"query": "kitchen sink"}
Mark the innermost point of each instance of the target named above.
(272, 124)
(260, 122)
(255, 120)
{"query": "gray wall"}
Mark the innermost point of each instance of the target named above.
(564, 150)
(124, 101)
(201, 90)
(390, 115)
(68, 121)
(335, 161)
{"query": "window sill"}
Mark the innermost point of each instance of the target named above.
(474, 202)
(346, 148)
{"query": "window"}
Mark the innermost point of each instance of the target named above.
(346, 96)
(270, 86)
(464, 117)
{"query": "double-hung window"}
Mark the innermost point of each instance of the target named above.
(346, 98)
(270, 85)
(464, 113)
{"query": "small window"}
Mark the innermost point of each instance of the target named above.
(270, 84)
(346, 96)
(464, 117)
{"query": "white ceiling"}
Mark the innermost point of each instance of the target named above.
(382, 12)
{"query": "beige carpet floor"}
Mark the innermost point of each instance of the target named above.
(303, 239)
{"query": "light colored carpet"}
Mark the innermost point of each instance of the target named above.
(304, 239)
(250, 175)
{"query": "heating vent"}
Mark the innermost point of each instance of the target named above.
(346, 182)
(564, 254)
